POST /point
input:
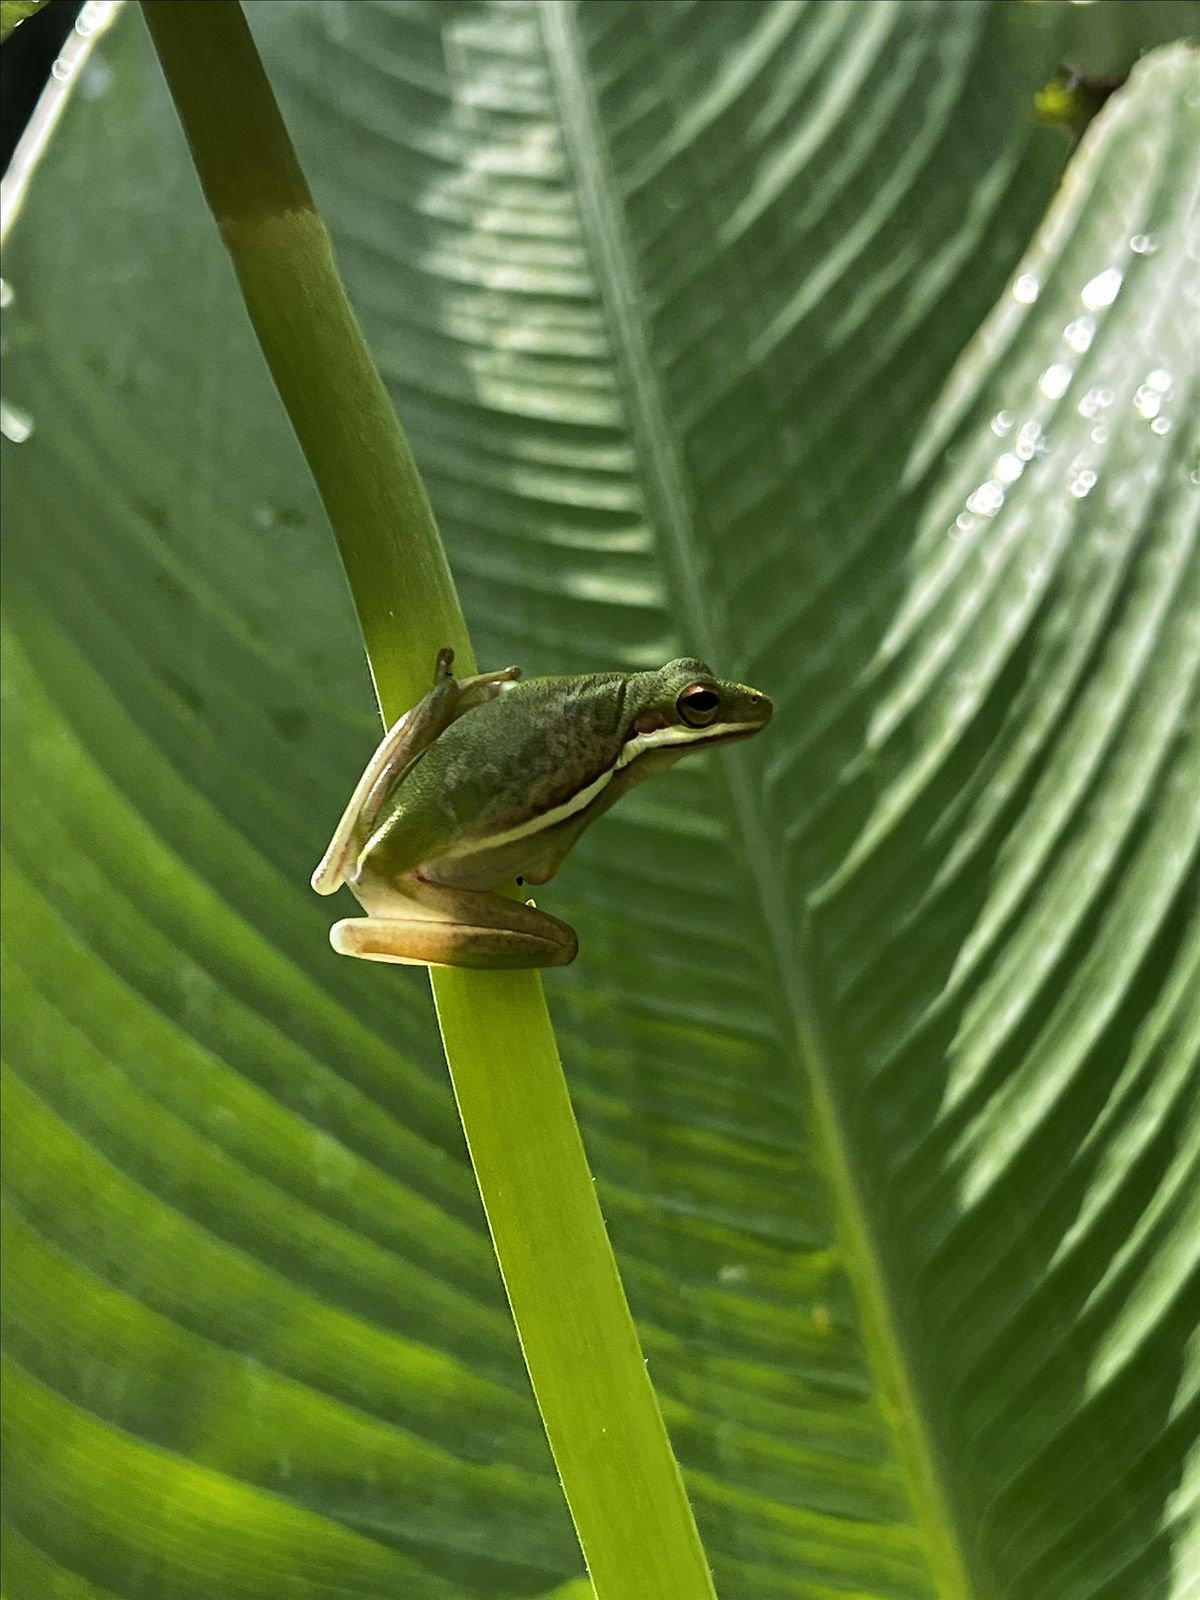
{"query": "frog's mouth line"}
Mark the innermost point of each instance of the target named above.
(734, 734)
(689, 738)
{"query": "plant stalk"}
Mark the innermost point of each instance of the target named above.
(601, 1415)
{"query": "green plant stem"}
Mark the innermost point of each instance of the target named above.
(580, 1344)
(329, 385)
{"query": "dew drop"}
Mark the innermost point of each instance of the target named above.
(95, 17)
(1159, 379)
(1009, 467)
(987, 499)
(1089, 405)
(1161, 425)
(1029, 441)
(1084, 483)
(16, 425)
(1143, 244)
(1026, 289)
(1147, 402)
(1002, 423)
(1055, 381)
(1080, 333)
(1102, 290)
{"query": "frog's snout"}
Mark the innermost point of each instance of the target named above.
(760, 707)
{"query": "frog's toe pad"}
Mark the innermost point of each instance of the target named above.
(370, 940)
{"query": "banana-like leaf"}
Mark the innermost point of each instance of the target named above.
(717, 329)
(14, 12)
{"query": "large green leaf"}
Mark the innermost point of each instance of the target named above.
(885, 1032)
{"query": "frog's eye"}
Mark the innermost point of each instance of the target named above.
(698, 705)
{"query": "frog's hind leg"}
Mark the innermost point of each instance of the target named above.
(400, 746)
(439, 927)
(395, 751)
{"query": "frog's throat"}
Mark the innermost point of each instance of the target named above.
(641, 744)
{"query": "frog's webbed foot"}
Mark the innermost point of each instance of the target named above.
(400, 746)
(438, 927)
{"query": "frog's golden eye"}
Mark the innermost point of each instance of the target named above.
(698, 705)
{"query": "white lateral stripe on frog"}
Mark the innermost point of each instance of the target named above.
(639, 745)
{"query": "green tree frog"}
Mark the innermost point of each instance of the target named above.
(490, 780)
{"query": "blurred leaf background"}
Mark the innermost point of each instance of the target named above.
(772, 333)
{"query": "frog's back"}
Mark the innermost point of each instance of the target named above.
(503, 767)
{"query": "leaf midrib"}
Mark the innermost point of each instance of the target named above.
(668, 490)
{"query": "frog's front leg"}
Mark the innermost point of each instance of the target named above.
(404, 741)
(427, 925)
